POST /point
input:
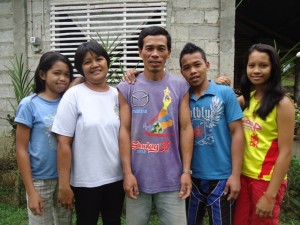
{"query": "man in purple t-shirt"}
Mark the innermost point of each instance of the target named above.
(156, 136)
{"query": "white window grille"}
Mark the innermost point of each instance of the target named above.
(74, 23)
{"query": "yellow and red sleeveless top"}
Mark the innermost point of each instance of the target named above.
(261, 142)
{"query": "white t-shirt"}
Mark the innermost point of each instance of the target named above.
(92, 119)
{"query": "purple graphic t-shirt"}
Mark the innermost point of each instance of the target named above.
(156, 160)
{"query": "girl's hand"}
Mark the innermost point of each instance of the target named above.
(66, 197)
(223, 80)
(264, 207)
(35, 203)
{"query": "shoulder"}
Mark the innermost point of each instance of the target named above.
(285, 103)
(27, 99)
(123, 85)
(221, 89)
(176, 78)
(241, 100)
(113, 90)
(177, 81)
(73, 91)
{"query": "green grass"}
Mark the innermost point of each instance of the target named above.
(10, 215)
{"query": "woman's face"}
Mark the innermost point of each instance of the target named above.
(94, 68)
(259, 68)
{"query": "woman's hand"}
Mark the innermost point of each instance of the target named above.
(130, 76)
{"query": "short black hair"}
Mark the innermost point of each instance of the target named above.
(154, 31)
(91, 46)
(190, 48)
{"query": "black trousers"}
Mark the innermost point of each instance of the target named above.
(107, 200)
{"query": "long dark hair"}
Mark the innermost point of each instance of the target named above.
(47, 60)
(273, 90)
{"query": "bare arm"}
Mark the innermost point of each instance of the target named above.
(76, 80)
(225, 80)
(186, 145)
(237, 153)
(35, 203)
(130, 76)
(130, 182)
(64, 157)
(241, 100)
(285, 123)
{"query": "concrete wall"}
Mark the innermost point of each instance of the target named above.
(208, 23)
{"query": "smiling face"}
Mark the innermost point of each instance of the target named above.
(154, 54)
(94, 68)
(259, 68)
(57, 79)
(194, 69)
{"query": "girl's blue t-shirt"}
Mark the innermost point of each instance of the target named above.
(38, 114)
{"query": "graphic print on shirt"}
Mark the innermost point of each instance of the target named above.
(253, 126)
(51, 137)
(204, 120)
(270, 156)
(156, 126)
(161, 121)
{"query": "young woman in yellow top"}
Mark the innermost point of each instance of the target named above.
(268, 128)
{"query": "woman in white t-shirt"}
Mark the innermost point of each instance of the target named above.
(87, 127)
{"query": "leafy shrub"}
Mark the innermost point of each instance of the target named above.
(291, 202)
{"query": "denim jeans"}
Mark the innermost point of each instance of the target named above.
(170, 208)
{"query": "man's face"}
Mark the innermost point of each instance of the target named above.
(154, 53)
(194, 69)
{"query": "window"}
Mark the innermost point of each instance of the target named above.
(74, 23)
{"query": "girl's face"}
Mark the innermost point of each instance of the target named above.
(94, 68)
(57, 78)
(259, 68)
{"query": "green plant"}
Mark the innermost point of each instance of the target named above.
(287, 61)
(291, 202)
(110, 47)
(22, 83)
(22, 87)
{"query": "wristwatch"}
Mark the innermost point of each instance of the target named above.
(187, 171)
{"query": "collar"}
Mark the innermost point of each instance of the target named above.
(209, 91)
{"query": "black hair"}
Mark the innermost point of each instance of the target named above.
(47, 60)
(154, 31)
(92, 47)
(273, 90)
(190, 48)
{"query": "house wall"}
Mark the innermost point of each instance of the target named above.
(208, 23)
